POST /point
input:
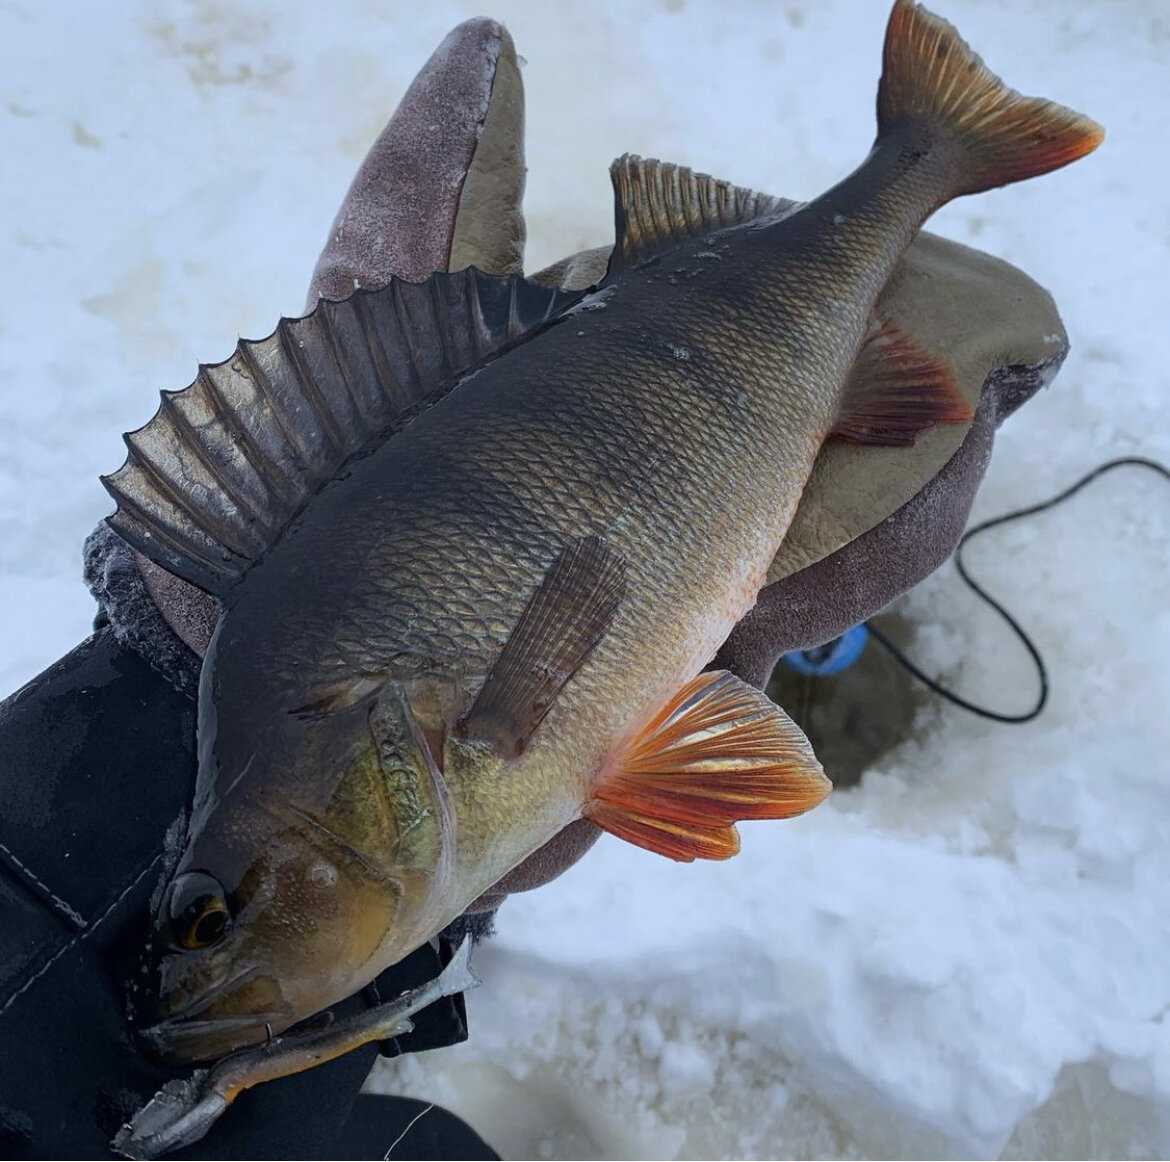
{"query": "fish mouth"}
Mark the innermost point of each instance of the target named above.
(195, 1033)
(201, 1003)
(208, 1039)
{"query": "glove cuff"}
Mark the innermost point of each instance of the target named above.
(126, 605)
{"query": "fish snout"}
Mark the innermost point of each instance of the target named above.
(191, 1041)
(183, 1020)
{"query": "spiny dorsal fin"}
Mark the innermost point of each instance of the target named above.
(565, 618)
(658, 206)
(214, 478)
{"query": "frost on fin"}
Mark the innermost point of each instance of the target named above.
(213, 479)
(564, 620)
(658, 206)
(895, 390)
(718, 752)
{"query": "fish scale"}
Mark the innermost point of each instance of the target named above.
(471, 504)
(449, 633)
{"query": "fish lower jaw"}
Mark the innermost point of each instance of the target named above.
(191, 1041)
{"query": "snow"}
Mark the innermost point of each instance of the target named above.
(966, 955)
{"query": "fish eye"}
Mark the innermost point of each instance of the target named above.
(197, 911)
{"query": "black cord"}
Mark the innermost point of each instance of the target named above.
(1017, 629)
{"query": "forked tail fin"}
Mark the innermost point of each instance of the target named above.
(930, 76)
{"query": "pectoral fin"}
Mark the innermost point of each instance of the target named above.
(896, 389)
(718, 752)
(564, 620)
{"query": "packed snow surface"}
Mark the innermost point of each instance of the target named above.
(968, 954)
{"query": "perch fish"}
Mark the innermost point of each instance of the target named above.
(475, 540)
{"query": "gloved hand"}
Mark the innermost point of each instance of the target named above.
(441, 189)
(97, 755)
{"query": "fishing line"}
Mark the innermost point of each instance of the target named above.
(1013, 624)
(409, 1126)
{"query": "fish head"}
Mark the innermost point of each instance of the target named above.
(238, 963)
(301, 885)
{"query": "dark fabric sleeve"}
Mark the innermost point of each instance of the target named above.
(96, 762)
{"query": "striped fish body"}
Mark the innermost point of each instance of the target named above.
(493, 620)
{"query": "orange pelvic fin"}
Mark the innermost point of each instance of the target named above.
(931, 77)
(895, 390)
(718, 752)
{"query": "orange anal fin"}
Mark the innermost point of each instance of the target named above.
(718, 752)
(895, 390)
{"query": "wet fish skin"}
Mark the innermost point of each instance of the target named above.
(676, 417)
(498, 488)
(513, 466)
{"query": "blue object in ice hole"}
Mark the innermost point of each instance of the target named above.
(832, 657)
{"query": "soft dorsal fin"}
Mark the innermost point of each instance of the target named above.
(214, 478)
(658, 206)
